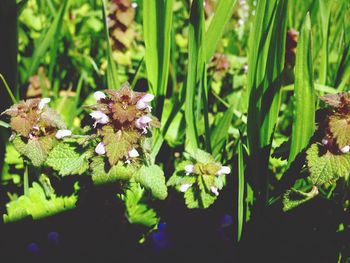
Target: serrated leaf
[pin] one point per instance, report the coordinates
(118, 144)
(37, 206)
(180, 178)
(138, 212)
(202, 156)
(328, 167)
(36, 149)
(52, 118)
(293, 198)
(115, 173)
(67, 161)
(152, 178)
(207, 198)
(340, 128)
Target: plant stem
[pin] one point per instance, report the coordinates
(26, 179)
(8, 89)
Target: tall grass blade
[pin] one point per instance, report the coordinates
(325, 12)
(265, 69)
(112, 74)
(157, 21)
(240, 199)
(48, 41)
(217, 25)
(196, 65)
(304, 93)
(220, 132)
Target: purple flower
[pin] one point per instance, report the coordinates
(99, 117)
(214, 190)
(43, 103)
(98, 95)
(63, 133)
(224, 170)
(143, 103)
(345, 149)
(189, 169)
(142, 123)
(100, 149)
(133, 153)
(184, 187)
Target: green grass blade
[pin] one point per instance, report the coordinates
(304, 93)
(240, 199)
(220, 132)
(325, 12)
(217, 25)
(157, 21)
(4, 124)
(265, 69)
(112, 73)
(195, 69)
(49, 39)
(206, 110)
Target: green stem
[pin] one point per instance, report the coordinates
(8, 89)
(26, 179)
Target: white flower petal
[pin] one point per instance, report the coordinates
(189, 169)
(145, 119)
(133, 153)
(184, 187)
(224, 170)
(100, 117)
(148, 97)
(63, 133)
(98, 95)
(345, 149)
(43, 102)
(214, 190)
(141, 105)
(100, 148)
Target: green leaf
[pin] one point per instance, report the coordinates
(326, 168)
(115, 173)
(340, 128)
(217, 25)
(138, 212)
(118, 144)
(192, 198)
(304, 93)
(65, 159)
(152, 178)
(36, 149)
(37, 206)
(198, 197)
(293, 198)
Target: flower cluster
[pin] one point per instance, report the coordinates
(199, 168)
(33, 119)
(122, 117)
(200, 178)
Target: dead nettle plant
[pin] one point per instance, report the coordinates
(114, 149)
